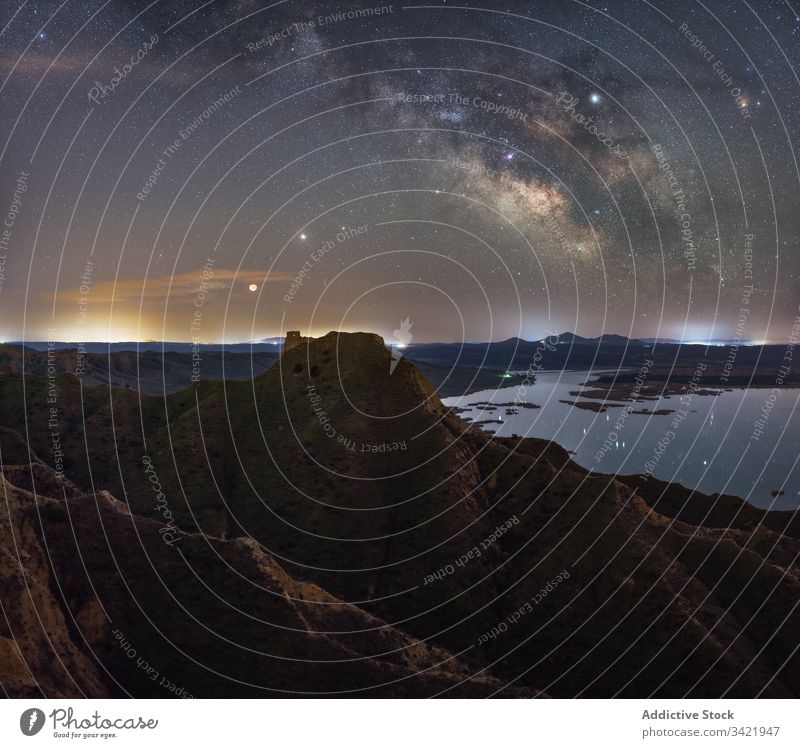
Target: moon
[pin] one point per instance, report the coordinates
(253, 287)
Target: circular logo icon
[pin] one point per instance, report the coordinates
(31, 721)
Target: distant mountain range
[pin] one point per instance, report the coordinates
(568, 350)
(270, 344)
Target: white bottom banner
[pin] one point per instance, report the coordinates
(390, 724)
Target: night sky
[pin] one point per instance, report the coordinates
(486, 171)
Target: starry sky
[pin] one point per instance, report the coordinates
(229, 170)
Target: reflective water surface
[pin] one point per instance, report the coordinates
(711, 443)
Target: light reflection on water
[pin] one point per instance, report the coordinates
(710, 450)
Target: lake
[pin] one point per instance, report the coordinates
(712, 449)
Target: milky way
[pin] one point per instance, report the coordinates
(486, 171)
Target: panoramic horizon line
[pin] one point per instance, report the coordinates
(272, 340)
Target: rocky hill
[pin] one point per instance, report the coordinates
(331, 526)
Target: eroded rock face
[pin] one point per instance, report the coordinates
(260, 553)
(120, 613)
(38, 654)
